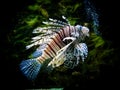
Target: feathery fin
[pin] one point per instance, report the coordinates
(30, 68)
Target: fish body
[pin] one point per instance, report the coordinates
(58, 44)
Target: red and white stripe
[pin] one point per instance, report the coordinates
(56, 43)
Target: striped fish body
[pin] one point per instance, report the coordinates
(60, 58)
(70, 55)
(55, 48)
(56, 43)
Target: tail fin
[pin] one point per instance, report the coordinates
(30, 68)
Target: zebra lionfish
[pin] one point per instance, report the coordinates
(60, 42)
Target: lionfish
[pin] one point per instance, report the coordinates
(60, 42)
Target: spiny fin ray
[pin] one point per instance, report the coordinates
(30, 68)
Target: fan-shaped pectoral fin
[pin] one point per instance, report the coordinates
(57, 60)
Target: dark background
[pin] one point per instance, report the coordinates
(109, 19)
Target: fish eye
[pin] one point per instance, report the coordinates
(79, 27)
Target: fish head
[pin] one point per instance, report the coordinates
(85, 31)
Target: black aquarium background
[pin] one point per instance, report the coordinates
(101, 74)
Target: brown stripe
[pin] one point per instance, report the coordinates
(63, 32)
(47, 53)
(54, 46)
(50, 51)
(57, 43)
(69, 30)
(41, 59)
(59, 40)
(51, 48)
(66, 31)
(59, 36)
